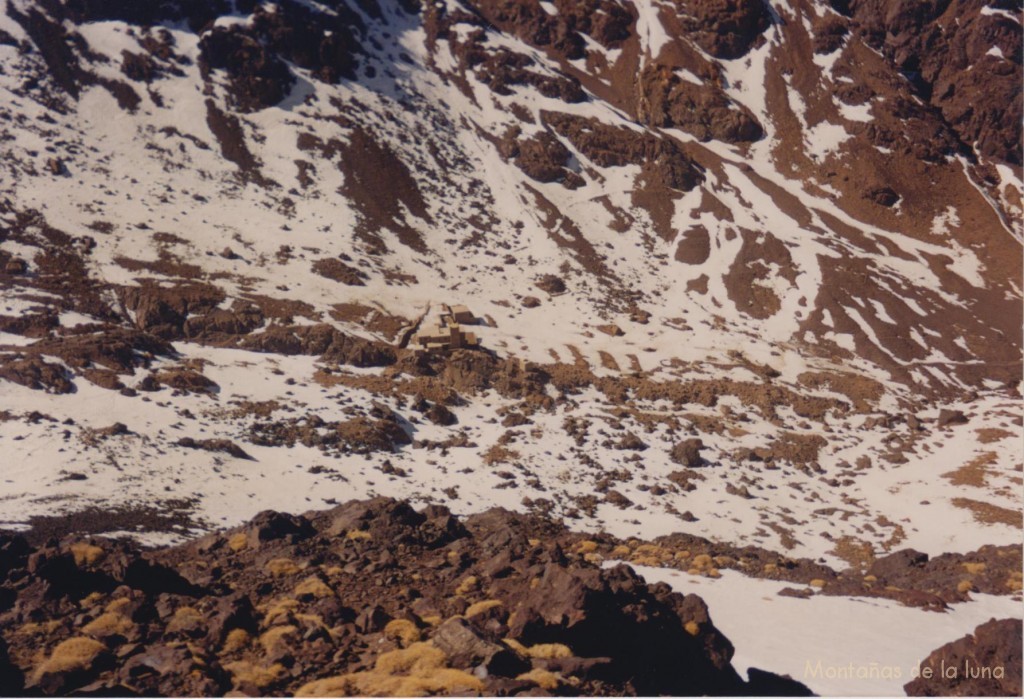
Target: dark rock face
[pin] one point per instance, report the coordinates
(944, 48)
(951, 417)
(609, 146)
(666, 100)
(606, 22)
(258, 78)
(726, 28)
(288, 603)
(542, 157)
(988, 663)
(36, 373)
(687, 452)
(502, 69)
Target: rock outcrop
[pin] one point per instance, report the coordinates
(986, 662)
(372, 597)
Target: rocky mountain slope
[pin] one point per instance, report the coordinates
(375, 598)
(293, 605)
(744, 271)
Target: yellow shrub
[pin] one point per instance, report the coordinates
(594, 558)
(282, 566)
(77, 653)
(358, 535)
(467, 585)
(339, 686)
(91, 599)
(533, 542)
(448, 681)
(682, 555)
(964, 586)
(87, 554)
(545, 679)
(620, 551)
(650, 550)
(333, 571)
(870, 578)
(184, 618)
(417, 658)
(817, 582)
(481, 607)
(652, 561)
(712, 573)
(257, 675)
(403, 631)
(586, 546)
(1013, 584)
(436, 681)
(238, 542)
(974, 568)
(516, 646)
(770, 568)
(311, 620)
(271, 638)
(280, 607)
(118, 604)
(432, 619)
(108, 624)
(701, 561)
(692, 627)
(313, 586)
(549, 650)
(236, 640)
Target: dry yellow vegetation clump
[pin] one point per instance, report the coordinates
(540, 650)
(78, 653)
(236, 640)
(403, 631)
(257, 675)
(108, 624)
(280, 607)
(549, 651)
(279, 567)
(87, 554)
(313, 586)
(481, 607)
(416, 671)
(545, 679)
(275, 635)
(467, 585)
(185, 618)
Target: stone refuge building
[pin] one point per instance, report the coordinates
(447, 331)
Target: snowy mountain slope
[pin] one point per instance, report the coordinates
(760, 226)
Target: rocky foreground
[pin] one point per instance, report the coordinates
(376, 598)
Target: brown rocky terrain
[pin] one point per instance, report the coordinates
(371, 598)
(745, 277)
(986, 662)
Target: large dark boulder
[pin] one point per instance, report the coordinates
(987, 663)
